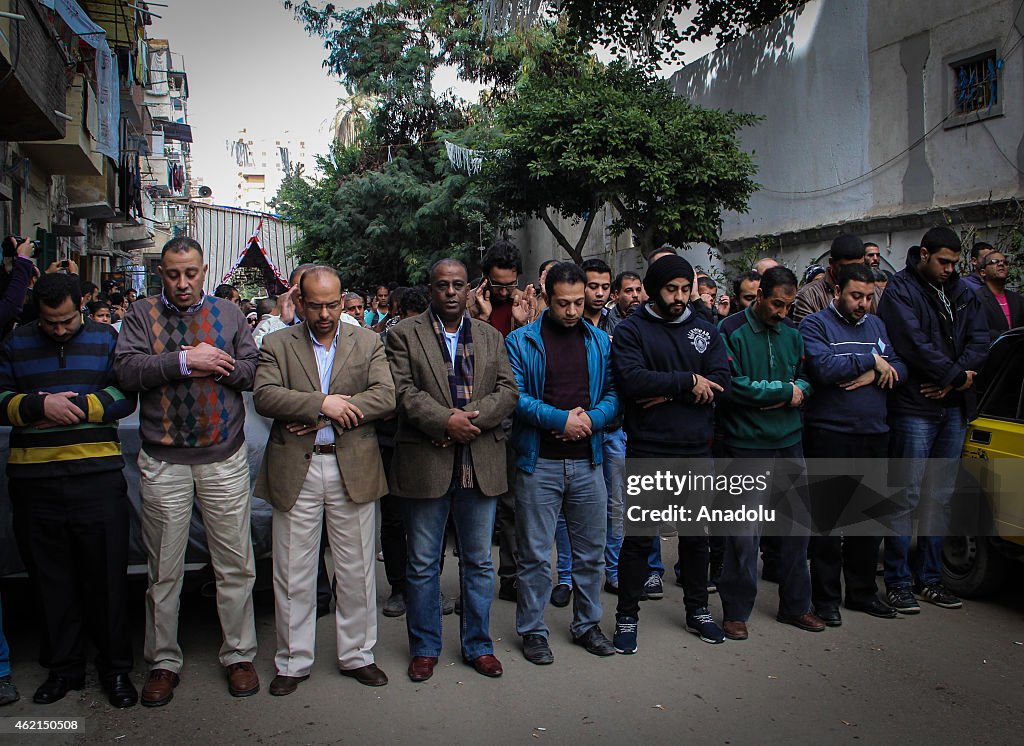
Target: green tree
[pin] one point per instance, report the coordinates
(612, 134)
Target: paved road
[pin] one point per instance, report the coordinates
(944, 676)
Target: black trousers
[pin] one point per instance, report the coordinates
(77, 532)
(694, 557)
(843, 558)
(392, 532)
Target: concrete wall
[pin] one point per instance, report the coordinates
(848, 89)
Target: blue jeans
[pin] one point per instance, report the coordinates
(919, 438)
(563, 552)
(577, 489)
(738, 585)
(425, 520)
(614, 467)
(5, 652)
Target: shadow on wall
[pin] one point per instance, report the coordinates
(739, 63)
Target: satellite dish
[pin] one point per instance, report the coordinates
(205, 191)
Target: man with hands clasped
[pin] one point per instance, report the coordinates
(454, 387)
(190, 356)
(324, 383)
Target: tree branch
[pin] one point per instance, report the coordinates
(571, 250)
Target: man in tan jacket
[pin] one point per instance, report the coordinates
(324, 383)
(454, 387)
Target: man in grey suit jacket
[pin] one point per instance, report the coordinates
(323, 383)
(454, 386)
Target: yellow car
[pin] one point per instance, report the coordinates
(976, 565)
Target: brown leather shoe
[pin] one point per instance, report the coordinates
(367, 675)
(487, 665)
(808, 622)
(159, 687)
(735, 630)
(282, 686)
(421, 667)
(242, 679)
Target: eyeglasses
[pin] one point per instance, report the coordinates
(442, 286)
(997, 263)
(504, 285)
(334, 305)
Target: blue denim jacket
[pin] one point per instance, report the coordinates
(529, 365)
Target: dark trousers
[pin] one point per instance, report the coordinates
(633, 560)
(738, 585)
(392, 532)
(505, 519)
(633, 571)
(77, 531)
(852, 558)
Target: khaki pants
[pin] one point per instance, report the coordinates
(351, 531)
(222, 490)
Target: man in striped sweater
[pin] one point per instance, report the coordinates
(57, 391)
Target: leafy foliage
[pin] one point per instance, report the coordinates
(617, 134)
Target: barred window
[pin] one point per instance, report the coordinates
(976, 84)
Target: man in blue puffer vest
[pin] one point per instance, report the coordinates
(566, 398)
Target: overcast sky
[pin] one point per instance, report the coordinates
(251, 65)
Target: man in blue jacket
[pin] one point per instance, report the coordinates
(937, 326)
(852, 366)
(670, 368)
(566, 399)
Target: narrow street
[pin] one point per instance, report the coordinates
(946, 676)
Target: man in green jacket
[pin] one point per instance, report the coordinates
(760, 419)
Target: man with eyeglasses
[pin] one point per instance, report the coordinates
(324, 383)
(498, 301)
(1004, 309)
(454, 387)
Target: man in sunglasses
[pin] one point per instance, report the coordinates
(1004, 309)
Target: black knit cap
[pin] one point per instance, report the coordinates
(664, 271)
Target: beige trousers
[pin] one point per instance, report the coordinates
(222, 490)
(351, 532)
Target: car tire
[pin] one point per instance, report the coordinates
(972, 567)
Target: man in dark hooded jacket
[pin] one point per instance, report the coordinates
(937, 326)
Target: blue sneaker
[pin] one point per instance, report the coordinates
(701, 624)
(624, 638)
(653, 588)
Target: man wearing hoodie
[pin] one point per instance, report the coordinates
(670, 367)
(937, 325)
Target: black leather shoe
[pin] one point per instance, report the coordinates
(594, 642)
(507, 590)
(830, 615)
(55, 688)
(560, 595)
(366, 675)
(537, 651)
(121, 692)
(872, 606)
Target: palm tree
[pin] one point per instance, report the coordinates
(350, 116)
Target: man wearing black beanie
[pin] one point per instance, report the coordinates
(670, 366)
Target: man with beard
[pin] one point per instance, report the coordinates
(566, 399)
(69, 495)
(937, 327)
(627, 295)
(852, 366)
(761, 420)
(670, 366)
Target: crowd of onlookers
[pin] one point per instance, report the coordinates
(472, 410)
